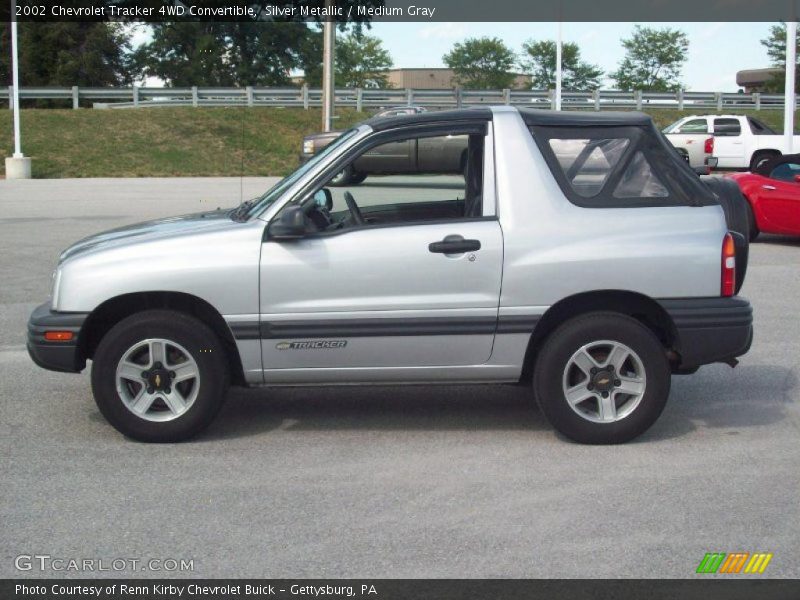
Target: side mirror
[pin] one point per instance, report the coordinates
(290, 224)
(324, 199)
(797, 178)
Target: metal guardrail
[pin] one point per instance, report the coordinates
(305, 97)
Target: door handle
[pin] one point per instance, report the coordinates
(767, 187)
(454, 244)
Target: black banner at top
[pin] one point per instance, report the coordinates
(402, 10)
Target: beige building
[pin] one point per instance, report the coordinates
(436, 79)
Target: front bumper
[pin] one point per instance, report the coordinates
(55, 356)
(711, 329)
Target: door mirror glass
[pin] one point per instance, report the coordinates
(324, 199)
(289, 225)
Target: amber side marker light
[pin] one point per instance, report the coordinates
(58, 336)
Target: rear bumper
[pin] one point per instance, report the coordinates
(55, 356)
(711, 329)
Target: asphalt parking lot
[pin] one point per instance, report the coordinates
(430, 481)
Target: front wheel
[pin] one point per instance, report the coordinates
(602, 378)
(160, 376)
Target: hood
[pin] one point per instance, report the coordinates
(150, 231)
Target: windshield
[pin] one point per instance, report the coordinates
(277, 190)
(669, 128)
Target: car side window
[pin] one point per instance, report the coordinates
(693, 126)
(587, 163)
(785, 172)
(412, 180)
(727, 127)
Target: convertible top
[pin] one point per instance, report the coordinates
(531, 116)
(459, 114)
(574, 118)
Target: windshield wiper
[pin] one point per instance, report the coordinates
(241, 210)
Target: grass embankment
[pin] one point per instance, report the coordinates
(168, 142)
(164, 142)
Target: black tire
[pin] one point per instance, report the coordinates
(203, 346)
(343, 177)
(753, 226)
(762, 157)
(565, 341)
(357, 178)
(736, 207)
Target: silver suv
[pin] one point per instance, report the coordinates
(576, 253)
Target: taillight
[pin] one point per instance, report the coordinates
(708, 147)
(728, 286)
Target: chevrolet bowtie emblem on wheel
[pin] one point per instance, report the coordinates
(158, 380)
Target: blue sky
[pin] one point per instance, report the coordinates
(716, 50)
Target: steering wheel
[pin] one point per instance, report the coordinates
(353, 208)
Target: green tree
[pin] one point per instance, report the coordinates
(775, 43)
(69, 53)
(360, 61)
(653, 60)
(482, 63)
(539, 59)
(239, 53)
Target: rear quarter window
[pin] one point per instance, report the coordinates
(727, 127)
(615, 167)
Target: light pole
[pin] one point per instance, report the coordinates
(788, 91)
(558, 67)
(328, 41)
(17, 166)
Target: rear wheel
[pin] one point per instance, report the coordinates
(160, 376)
(759, 158)
(602, 378)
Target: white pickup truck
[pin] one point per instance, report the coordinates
(737, 141)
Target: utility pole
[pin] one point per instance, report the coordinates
(17, 166)
(328, 90)
(788, 92)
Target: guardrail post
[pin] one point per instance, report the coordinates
(194, 96)
(409, 96)
(135, 96)
(11, 97)
(506, 96)
(551, 95)
(638, 97)
(459, 99)
(757, 100)
(75, 97)
(359, 100)
(680, 99)
(249, 92)
(305, 95)
(596, 95)
(719, 101)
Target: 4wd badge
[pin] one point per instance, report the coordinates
(312, 345)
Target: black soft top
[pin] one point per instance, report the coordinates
(574, 118)
(440, 116)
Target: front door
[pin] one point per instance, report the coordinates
(412, 280)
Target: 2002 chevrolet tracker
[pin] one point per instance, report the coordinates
(574, 251)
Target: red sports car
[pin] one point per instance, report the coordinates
(773, 195)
